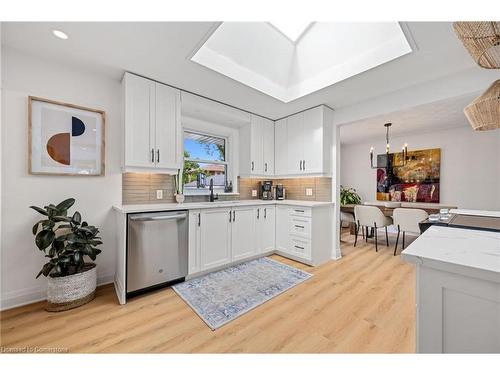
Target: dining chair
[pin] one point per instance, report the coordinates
(346, 217)
(406, 220)
(371, 217)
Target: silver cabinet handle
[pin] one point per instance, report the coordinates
(299, 247)
(159, 217)
(229, 216)
(265, 167)
(265, 213)
(299, 226)
(152, 155)
(158, 155)
(304, 165)
(258, 213)
(199, 219)
(301, 165)
(252, 165)
(234, 215)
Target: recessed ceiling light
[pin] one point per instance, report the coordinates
(60, 34)
(292, 29)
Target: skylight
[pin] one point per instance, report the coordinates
(257, 54)
(292, 29)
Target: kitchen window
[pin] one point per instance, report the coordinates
(205, 159)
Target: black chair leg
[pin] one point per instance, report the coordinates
(403, 241)
(376, 237)
(386, 237)
(397, 240)
(356, 230)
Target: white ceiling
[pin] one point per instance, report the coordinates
(439, 115)
(258, 55)
(162, 51)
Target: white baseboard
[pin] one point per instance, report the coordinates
(26, 296)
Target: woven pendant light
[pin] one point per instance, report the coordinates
(482, 40)
(484, 112)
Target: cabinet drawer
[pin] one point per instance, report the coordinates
(300, 226)
(301, 211)
(300, 246)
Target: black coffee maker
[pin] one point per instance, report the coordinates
(266, 190)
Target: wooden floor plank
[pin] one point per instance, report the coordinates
(363, 302)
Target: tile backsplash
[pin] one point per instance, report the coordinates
(140, 188)
(295, 188)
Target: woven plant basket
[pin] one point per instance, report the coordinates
(68, 292)
(482, 41)
(484, 112)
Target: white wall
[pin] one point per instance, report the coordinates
(470, 171)
(25, 75)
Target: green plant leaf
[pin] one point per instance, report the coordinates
(35, 228)
(65, 204)
(44, 238)
(47, 267)
(59, 218)
(39, 210)
(77, 218)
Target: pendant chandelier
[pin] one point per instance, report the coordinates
(482, 41)
(404, 152)
(484, 112)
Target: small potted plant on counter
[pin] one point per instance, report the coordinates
(349, 196)
(66, 241)
(179, 186)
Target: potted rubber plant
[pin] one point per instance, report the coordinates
(66, 241)
(349, 196)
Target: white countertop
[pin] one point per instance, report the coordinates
(471, 251)
(131, 208)
(462, 211)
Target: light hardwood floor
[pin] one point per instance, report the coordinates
(361, 303)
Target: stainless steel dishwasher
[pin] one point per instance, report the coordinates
(157, 250)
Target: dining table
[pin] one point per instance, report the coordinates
(387, 211)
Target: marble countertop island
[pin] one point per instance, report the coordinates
(475, 253)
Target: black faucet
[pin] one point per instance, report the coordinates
(212, 196)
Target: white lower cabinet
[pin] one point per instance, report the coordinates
(282, 236)
(221, 236)
(266, 229)
(215, 238)
(243, 232)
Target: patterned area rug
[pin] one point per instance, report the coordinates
(222, 296)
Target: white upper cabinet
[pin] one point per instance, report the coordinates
(268, 146)
(257, 147)
(303, 143)
(295, 126)
(281, 147)
(153, 136)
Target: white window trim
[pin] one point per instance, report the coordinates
(215, 130)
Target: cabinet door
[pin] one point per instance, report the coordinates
(256, 146)
(215, 238)
(139, 121)
(168, 127)
(281, 147)
(243, 232)
(194, 242)
(267, 229)
(313, 141)
(282, 225)
(268, 142)
(295, 125)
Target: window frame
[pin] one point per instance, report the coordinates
(225, 163)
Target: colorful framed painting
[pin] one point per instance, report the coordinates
(65, 139)
(417, 181)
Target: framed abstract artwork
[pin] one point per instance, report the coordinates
(417, 181)
(65, 139)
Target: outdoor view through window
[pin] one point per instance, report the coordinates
(204, 160)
